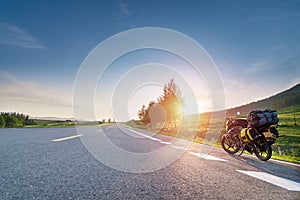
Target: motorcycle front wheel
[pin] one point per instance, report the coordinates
(263, 150)
(228, 144)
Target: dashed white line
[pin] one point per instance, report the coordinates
(200, 155)
(165, 142)
(66, 138)
(207, 157)
(275, 180)
(146, 136)
(178, 147)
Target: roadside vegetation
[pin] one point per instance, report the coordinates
(19, 120)
(203, 128)
(39, 123)
(288, 145)
(14, 120)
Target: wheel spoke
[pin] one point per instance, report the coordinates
(263, 150)
(228, 144)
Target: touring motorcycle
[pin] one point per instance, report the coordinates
(242, 135)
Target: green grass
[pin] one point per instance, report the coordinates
(287, 147)
(51, 124)
(62, 124)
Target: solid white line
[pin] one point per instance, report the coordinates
(284, 162)
(249, 155)
(66, 138)
(278, 181)
(146, 136)
(207, 157)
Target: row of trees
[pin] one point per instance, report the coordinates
(167, 108)
(11, 120)
(106, 121)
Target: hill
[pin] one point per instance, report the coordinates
(280, 101)
(285, 101)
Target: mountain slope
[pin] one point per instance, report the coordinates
(279, 101)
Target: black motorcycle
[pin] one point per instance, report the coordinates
(240, 137)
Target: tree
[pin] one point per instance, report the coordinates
(168, 106)
(172, 101)
(11, 121)
(142, 112)
(2, 122)
(15, 120)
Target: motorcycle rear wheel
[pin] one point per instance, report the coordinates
(263, 150)
(229, 145)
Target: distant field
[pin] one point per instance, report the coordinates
(51, 124)
(60, 124)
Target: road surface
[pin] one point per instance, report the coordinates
(54, 164)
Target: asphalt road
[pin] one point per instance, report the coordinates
(38, 164)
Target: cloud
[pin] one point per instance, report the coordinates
(274, 59)
(11, 34)
(33, 99)
(124, 9)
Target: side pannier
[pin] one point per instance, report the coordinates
(262, 118)
(248, 134)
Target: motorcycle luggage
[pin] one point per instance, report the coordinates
(240, 122)
(262, 118)
(248, 134)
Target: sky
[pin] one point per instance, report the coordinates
(254, 45)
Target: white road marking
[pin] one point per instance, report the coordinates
(278, 181)
(165, 142)
(207, 157)
(66, 138)
(279, 161)
(284, 162)
(146, 136)
(178, 147)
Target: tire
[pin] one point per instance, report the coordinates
(228, 144)
(263, 150)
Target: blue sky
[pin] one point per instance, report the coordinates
(255, 45)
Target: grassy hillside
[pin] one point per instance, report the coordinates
(290, 115)
(288, 145)
(279, 101)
